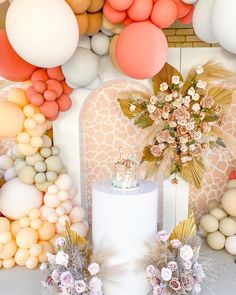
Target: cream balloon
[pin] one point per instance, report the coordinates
(209, 223)
(216, 240)
(82, 68)
(218, 213)
(229, 202)
(17, 199)
(230, 245)
(202, 21)
(227, 227)
(40, 31)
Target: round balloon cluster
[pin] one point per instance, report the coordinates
(219, 225)
(214, 22)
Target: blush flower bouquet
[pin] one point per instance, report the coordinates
(70, 272)
(183, 119)
(174, 268)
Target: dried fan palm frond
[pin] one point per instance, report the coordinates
(222, 96)
(151, 169)
(185, 229)
(166, 163)
(214, 71)
(165, 75)
(228, 139)
(193, 172)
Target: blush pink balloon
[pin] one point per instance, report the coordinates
(49, 109)
(141, 50)
(113, 15)
(50, 95)
(120, 4)
(64, 103)
(140, 10)
(56, 73)
(36, 99)
(183, 8)
(187, 19)
(39, 75)
(164, 13)
(55, 86)
(40, 86)
(30, 91)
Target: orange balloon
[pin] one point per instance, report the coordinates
(12, 66)
(79, 6)
(140, 10)
(96, 5)
(164, 13)
(141, 50)
(183, 8)
(94, 23)
(82, 20)
(11, 119)
(113, 15)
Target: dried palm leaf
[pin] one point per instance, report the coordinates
(165, 75)
(150, 133)
(222, 96)
(166, 164)
(193, 172)
(185, 229)
(125, 108)
(151, 169)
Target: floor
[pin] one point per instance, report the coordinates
(20, 281)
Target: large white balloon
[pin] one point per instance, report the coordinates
(82, 68)
(224, 23)
(189, 1)
(17, 199)
(43, 32)
(202, 21)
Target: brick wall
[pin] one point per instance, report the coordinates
(185, 37)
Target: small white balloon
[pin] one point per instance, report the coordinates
(82, 68)
(10, 174)
(189, 1)
(107, 32)
(100, 43)
(71, 85)
(202, 21)
(46, 32)
(94, 84)
(85, 42)
(6, 162)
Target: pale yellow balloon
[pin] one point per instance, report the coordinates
(31, 262)
(228, 227)
(118, 28)
(36, 250)
(21, 256)
(4, 224)
(23, 137)
(229, 202)
(216, 240)
(17, 96)
(36, 223)
(26, 237)
(30, 124)
(1, 263)
(106, 24)
(218, 213)
(29, 110)
(26, 84)
(209, 223)
(1, 247)
(59, 228)
(5, 237)
(11, 119)
(24, 222)
(15, 228)
(80, 229)
(47, 248)
(9, 250)
(64, 219)
(8, 263)
(34, 213)
(53, 217)
(77, 214)
(51, 201)
(39, 118)
(27, 149)
(46, 231)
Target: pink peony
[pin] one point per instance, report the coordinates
(163, 236)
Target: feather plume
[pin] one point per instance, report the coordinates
(222, 96)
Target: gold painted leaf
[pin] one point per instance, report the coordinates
(148, 156)
(185, 229)
(165, 75)
(125, 108)
(143, 121)
(193, 172)
(151, 169)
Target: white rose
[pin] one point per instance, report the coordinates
(201, 84)
(51, 258)
(187, 264)
(191, 91)
(168, 98)
(175, 80)
(93, 268)
(95, 284)
(151, 108)
(62, 258)
(153, 100)
(80, 286)
(182, 122)
(165, 116)
(164, 86)
(166, 274)
(190, 126)
(173, 124)
(178, 103)
(186, 100)
(183, 139)
(198, 135)
(196, 96)
(181, 84)
(174, 94)
(132, 108)
(186, 253)
(183, 148)
(199, 70)
(192, 147)
(196, 107)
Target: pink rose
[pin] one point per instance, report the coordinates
(188, 282)
(163, 136)
(150, 270)
(157, 290)
(156, 150)
(163, 236)
(80, 286)
(67, 290)
(154, 280)
(181, 113)
(207, 102)
(67, 278)
(175, 284)
(218, 109)
(175, 244)
(173, 265)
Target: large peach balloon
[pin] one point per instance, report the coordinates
(121, 4)
(164, 13)
(12, 66)
(11, 119)
(140, 10)
(17, 199)
(141, 50)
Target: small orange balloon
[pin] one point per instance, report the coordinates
(82, 20)
(95, 5)
(94, 23)
(47, 248)
(11, 119)
(79, 6)
(47, 231)
(8, 250)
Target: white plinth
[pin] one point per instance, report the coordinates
(123, 220)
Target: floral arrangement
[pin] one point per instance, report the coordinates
(184, 118)
(174, 267)
(70, 272)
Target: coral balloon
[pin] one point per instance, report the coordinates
(30, 33)
(11, 119)
(121, 4)
(188, 18)
(17, 199)
(164, 13)
(113, 15)
(56, 74)
(112, 52)
(140, 10)
(183, 8)
(64, 102)
(12, 66)
(49, 109)
(79, 6)
(144, 61)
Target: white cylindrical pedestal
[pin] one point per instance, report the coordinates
(123, 220)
